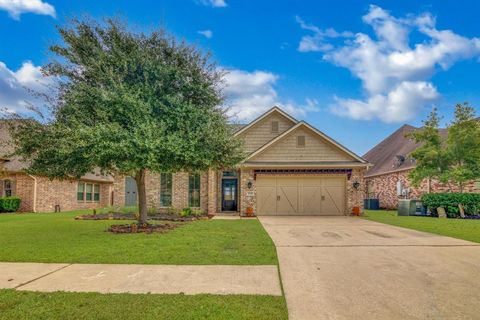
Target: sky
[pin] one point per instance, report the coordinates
(356, 70)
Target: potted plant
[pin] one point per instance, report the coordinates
(249, 211)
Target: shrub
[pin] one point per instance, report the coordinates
(9, 204)
(173, 211)
(450, 201)
(198, 212)
(186, 212)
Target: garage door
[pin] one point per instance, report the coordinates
(278, 195)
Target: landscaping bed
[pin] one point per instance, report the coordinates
(142, 228)
(134, 216)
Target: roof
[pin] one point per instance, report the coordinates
(236, 126)
(392, 153)
(15, 164)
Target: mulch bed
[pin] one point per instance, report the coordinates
(131, 216)
(142, 228)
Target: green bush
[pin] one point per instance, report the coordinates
(10, 204)
(450, 201)
(186, 212)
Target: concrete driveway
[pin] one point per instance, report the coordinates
(350, 268)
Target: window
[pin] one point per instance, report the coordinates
(229, 174)
(88, 192)
(274, 126)
(165, 189)
(194, 190)
(80, 191)
(96, 192)
(300, 141)
(7, 188)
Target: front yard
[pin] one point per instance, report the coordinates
(63, 305)
(56, 237)
(465, 229)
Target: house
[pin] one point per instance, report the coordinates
(292, 168)
(387, 180)
(41, 194)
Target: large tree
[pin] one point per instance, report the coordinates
(128, 103)
(463, 146)
(430, 157)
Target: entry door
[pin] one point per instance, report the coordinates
(130, 192)
(229, 194)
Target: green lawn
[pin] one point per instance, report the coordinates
(56, 237)
(62, 305)
(456, 228)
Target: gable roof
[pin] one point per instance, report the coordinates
(391, 154)
(316, 131)
(263, 116)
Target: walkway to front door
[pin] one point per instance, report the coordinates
(350, 268)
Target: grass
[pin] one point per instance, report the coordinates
(56, 237)
(456, 228)
(62, 305)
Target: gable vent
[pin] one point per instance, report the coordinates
(300, 141)
(274, 126)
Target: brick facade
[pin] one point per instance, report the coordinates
(384, 187)
(40, 194)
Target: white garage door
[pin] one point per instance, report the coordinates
(277, 195)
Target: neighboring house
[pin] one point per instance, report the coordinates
(388, 179)
(291, 169)
(41, 194)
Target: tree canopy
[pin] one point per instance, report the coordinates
(127, 103)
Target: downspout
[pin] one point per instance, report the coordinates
(34, 192)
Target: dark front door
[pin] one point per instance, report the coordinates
(229, 195)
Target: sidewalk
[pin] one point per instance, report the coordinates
(134, 278)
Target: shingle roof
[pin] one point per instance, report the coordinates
(392, 153)
(14, 164)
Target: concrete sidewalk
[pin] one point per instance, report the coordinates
(171, 279)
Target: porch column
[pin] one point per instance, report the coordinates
(212, 191)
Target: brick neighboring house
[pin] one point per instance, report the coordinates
(291, 169)
(40, 194)
(388, 178)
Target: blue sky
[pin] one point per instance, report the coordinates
(356, 70)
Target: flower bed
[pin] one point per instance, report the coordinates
(142, 228)
(133, 216)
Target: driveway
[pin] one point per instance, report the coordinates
(350, 268)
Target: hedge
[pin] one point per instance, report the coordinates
(450, 201)
(9, 204)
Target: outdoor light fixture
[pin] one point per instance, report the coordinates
(356, 184)
(249, 185)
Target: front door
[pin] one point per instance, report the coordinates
(229, 195)
(130, 192)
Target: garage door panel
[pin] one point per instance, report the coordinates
(287, 200)
(267, 200)
(309, 200)
(333, 200)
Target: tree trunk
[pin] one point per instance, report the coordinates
(142, 196)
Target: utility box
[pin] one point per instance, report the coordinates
(371, 204)
(410, 207)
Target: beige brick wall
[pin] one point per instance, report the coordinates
(179, 191)
(53, 192)
(385, 188)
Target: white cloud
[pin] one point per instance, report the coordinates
(16, 8)
(16, 87)
(213, 3)
(249, 94)
(316, 42)
(206, 33)
(395, 74)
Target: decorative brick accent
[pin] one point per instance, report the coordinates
(355, 196)
(385, 188)
(247, 175)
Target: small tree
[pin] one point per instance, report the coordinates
(128, 103)
(430, 156)
(463, 146)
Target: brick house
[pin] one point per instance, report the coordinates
(41, 194)
(388, 179)
(291, 169)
